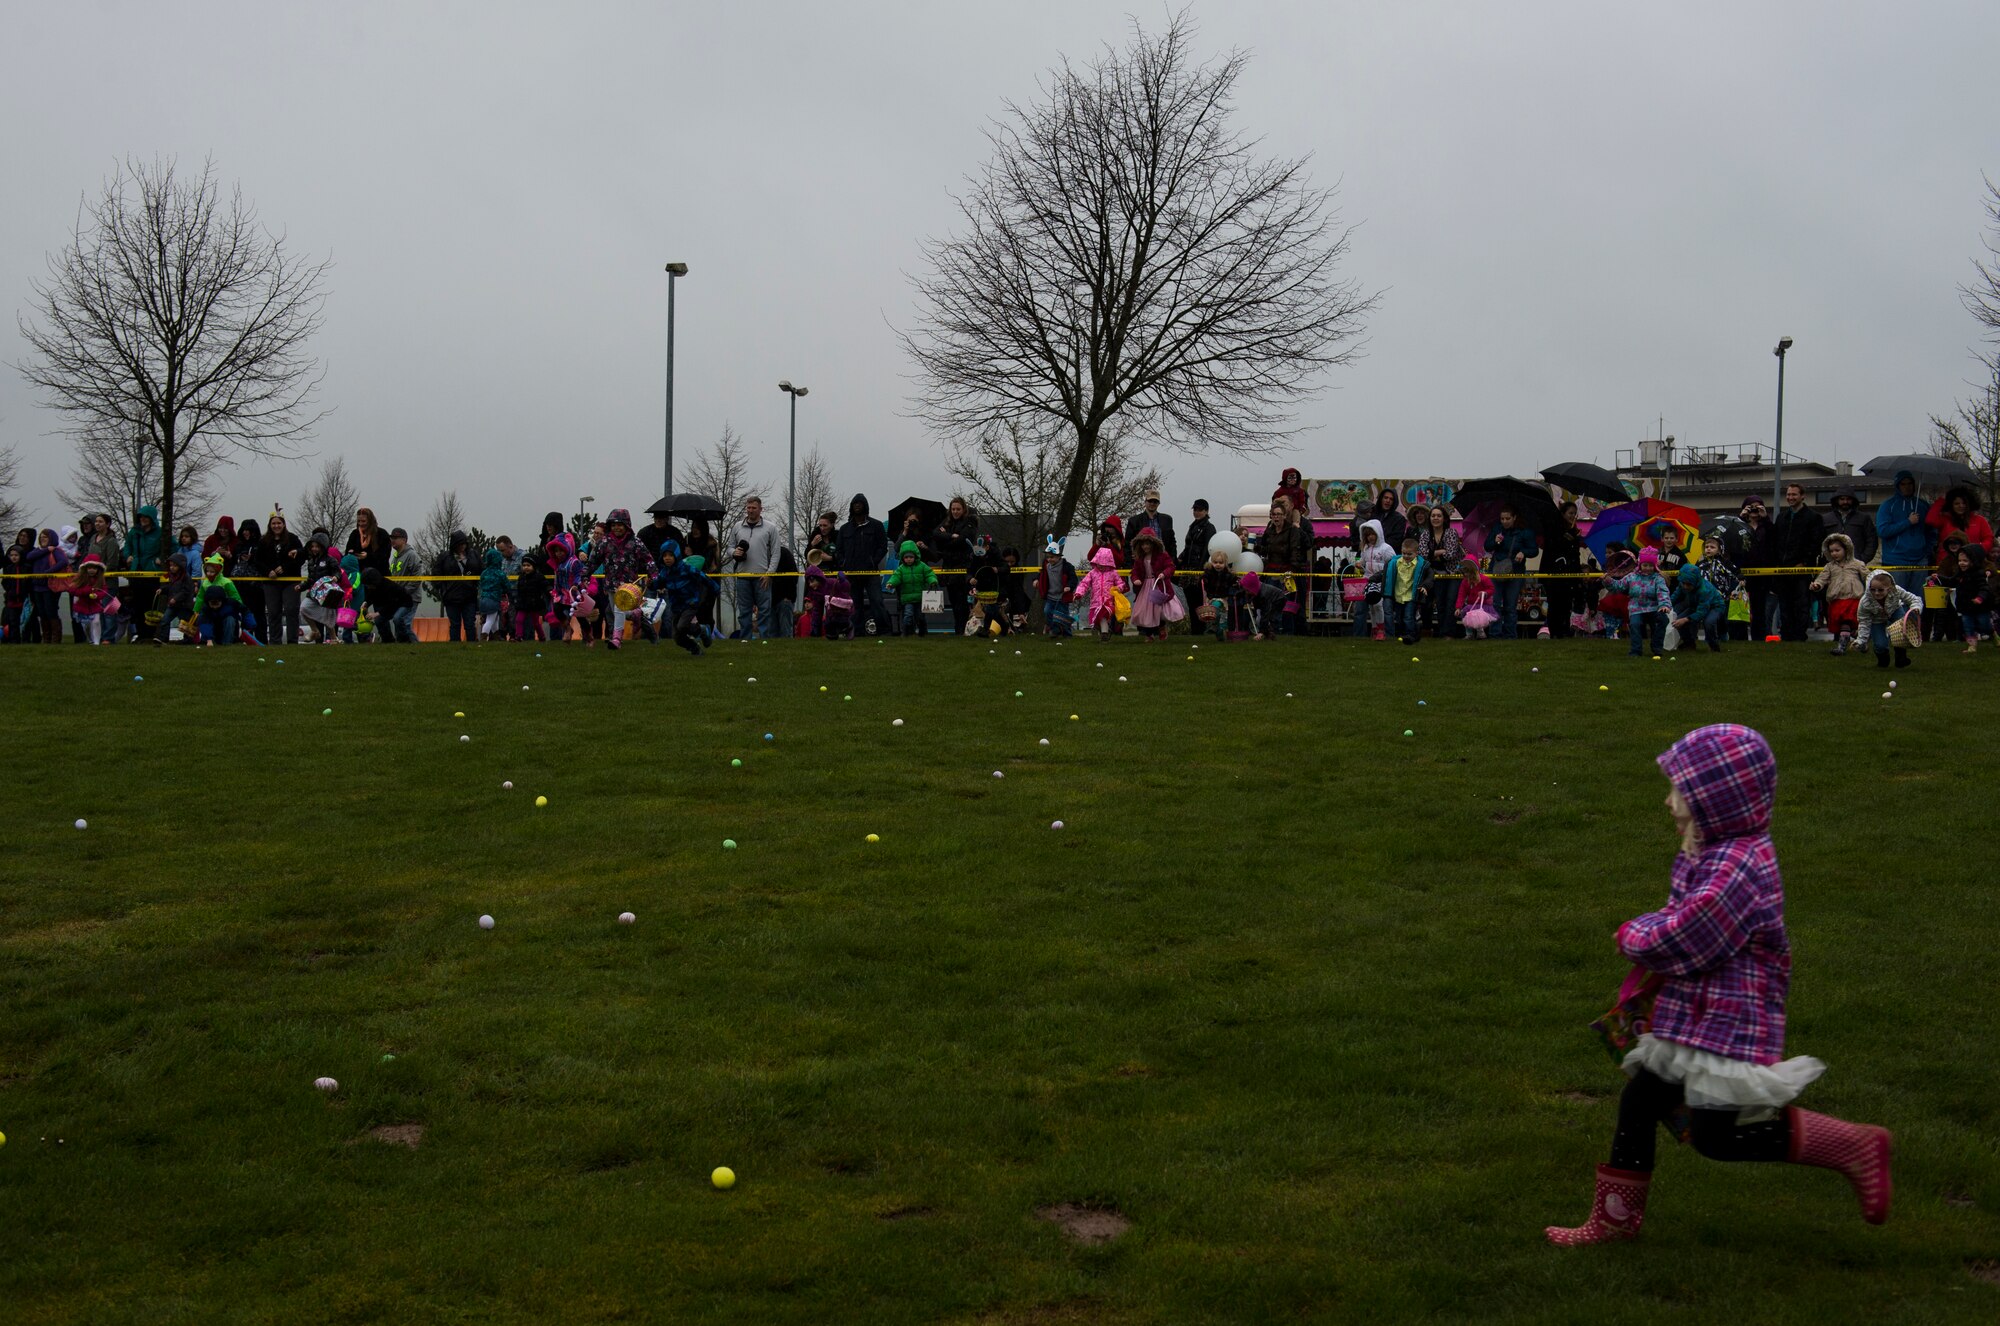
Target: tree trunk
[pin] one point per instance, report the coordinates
(167, 493)
(1079, 470)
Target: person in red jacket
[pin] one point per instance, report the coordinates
(1957, 512)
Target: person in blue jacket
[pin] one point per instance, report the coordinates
(680, 580)
(1511, 545)
(1906, 539)
(1698, 605)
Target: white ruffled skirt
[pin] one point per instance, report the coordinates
(1712, 1082)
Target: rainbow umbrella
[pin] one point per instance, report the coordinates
(1640, 524)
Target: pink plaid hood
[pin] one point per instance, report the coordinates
(1729, 778)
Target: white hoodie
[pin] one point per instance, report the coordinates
(1376, 556)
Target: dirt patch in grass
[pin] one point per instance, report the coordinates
(1132, 1069)
(1961, 1201)
(848, 1167)
(905, 1213)
(410, 1135)
(1085, 1224)
(1986, 1271)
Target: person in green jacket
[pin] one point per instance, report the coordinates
(907, 583)
(221, 606)
(145, 549)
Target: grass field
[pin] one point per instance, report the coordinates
(1301, 997)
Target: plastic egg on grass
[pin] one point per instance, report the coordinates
(459, 714)
(1045, 741)
(462, 737)
(998, 774)
(736, 764)
(728, 844)
(847, 697)
(326, 1084)
(485, 923)
(507, 786)
(1534, 669)
(723, 1177)
(1100, 665)
(541, 801)
(626, 918)
(1121, 678)
(1887, 695)
(1072, 718)
(1056, 824)
(1017, 695)
(822, 690)
(770, 736)
(1408, 733)
(524, 688)
(324, 712)
(749, 679)
(138, 678)
(874, 837)
(83, 824)
(1892, 685)
(1603, 688)
(896, 723)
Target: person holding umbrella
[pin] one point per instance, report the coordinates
(1906, 538)
(1562, 556)
(1511, 544)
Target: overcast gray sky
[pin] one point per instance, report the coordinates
(1583, 216)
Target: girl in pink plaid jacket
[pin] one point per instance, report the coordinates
(1718, 1028)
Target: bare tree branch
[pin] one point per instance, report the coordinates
(117, 472)
(1981, 295)
(12, 513)
(330, 503)
(1126, 255)
(723, 472)
(174, 315)
(1973, 434)
(814, 488)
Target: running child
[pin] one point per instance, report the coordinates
(907, 583)
(1475, 600)
(1648, 604)
(1056, 585)
(1099, 589)
(1844, 578)
(1717, 964)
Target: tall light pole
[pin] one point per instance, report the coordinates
(1778, 462)
(792, 467)
(581, 504)
(675, 271)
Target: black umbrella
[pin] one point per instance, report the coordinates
(1531, 503)
(1587, 480)
(688, 504)
(1930, 471)
(1728, 535)
(929, 515)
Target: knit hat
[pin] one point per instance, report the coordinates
(1649, 557)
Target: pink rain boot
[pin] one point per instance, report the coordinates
(1858, 1150)
(1615, 1214)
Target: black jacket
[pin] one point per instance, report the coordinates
(953, 540)
(1563, 549)
(1796, 536)
(1194, 553)
(280, 557)
(1859, 529)
(654, 535)
(1394, 525)
(1163, 523)
(456, 593)
(862, 544)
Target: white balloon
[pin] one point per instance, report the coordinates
(1225, 542)
(1246, 562)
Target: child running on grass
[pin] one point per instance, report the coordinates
(1056, 583)
(1719, 962)
(1218, 594)
(1844, 578)
(1890, 617)
(1099, 589)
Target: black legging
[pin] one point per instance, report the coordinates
(957, 596)
(1648, 1102)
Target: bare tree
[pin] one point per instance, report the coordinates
(446, 517)
(814, 494)
(1114, 483)
(1981, 295)
(331, 502)
(1015, 480)
(1972, 435)
(1128, 256)
(723, 472)
(118, 472)
(175, 316)
(11, 510)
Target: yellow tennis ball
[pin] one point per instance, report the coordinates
(723, 1177)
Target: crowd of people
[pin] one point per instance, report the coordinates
(1401, 573)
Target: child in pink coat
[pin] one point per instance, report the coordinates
(1099, 588)
(1718, 957)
